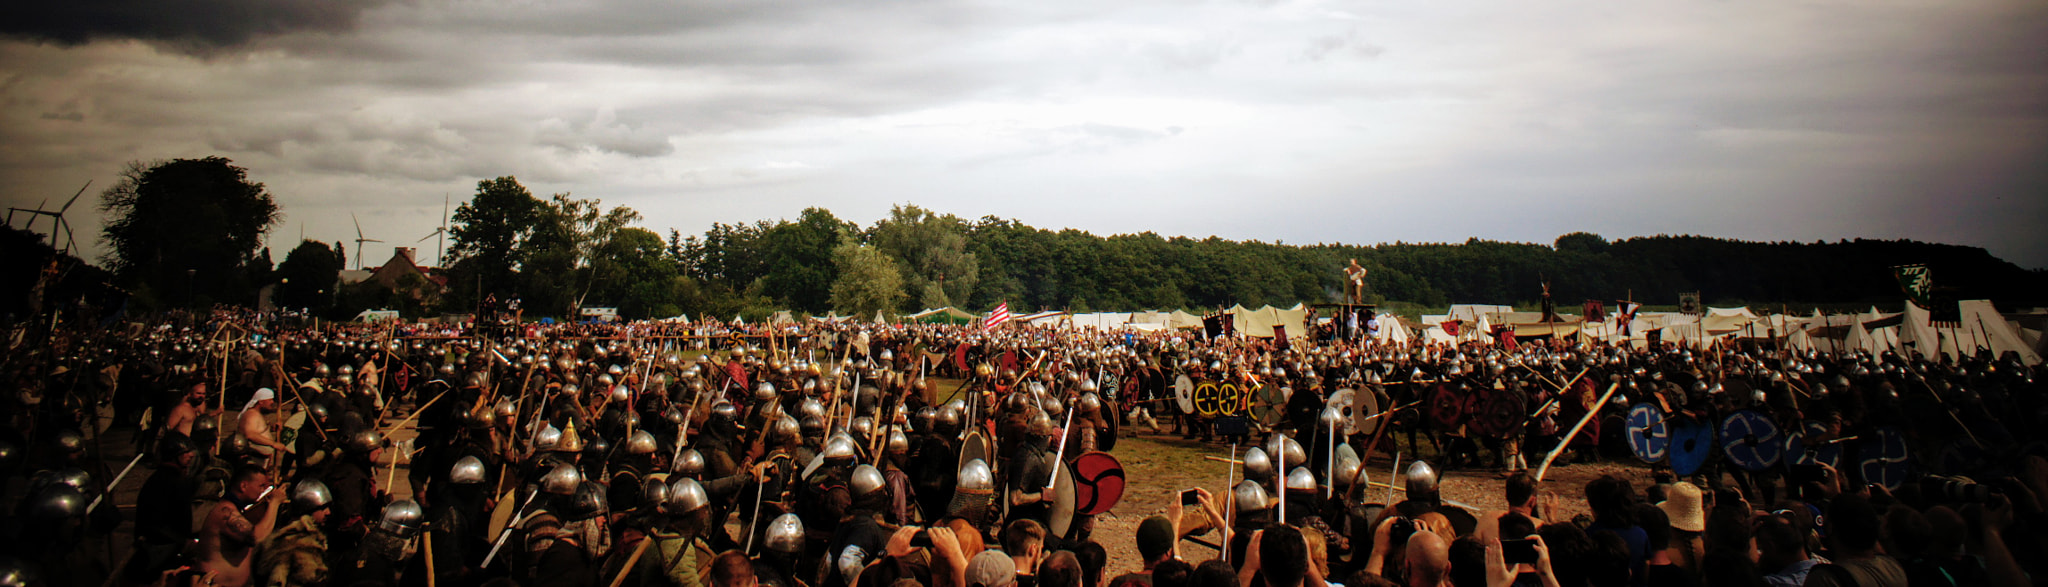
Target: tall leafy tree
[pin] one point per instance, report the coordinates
(868, 280)
(488, 231)
(800, 266)
(186, 231)
(634, 275)
(938, 269)
(308, 276)
(556, 259)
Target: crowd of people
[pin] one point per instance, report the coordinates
(827, 454)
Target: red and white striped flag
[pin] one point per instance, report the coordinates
(1000, 315)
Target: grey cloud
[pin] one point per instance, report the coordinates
(1347, 44)
(199, 26)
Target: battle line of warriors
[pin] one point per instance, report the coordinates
(274, 451)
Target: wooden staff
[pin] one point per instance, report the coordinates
(1567, 440)
(428, 539)
(631, 560)
(415, 413)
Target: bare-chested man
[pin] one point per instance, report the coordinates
(255, 423)
(189, 410)
(228, 537)
(1356, 275)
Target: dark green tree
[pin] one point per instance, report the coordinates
(307, 277)
(800, 270)
(488, 231)
(938, 269)
(185, 232)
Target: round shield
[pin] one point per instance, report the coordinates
(1882, 457)
(1503, 413)
(1691, 442)
(1801, 450)
(975, 446)
(1270, 405)
(1098, 482)
(290, 434)
(1750, 439)
(1061, 518)
(1365, 412)
(501, 516)
(1207, 399)
(1648, 437)
(1446, 408)
(1184, 392)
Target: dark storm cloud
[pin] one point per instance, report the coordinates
(196, 26)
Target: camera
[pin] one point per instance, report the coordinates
(1401, 530)
(922, 539)
(1956, 489)
(1189, 497)
(1518, 552)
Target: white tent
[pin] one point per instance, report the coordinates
(1392, 331)
(1980, 327)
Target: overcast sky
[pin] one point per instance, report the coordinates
(1299, 121)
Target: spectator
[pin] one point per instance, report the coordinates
(1173, 573)
(1025, 541)
(1613, 503)
(1682, 506)
(1060, 569)
(1155, 546)
(1781, 552)
(1215, 573)
(1428, 561)
(1094, 558)
(1854, 527)
(1659, 569)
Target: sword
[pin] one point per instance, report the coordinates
(111, 484)
(507, 532)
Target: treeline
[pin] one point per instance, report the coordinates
(560, 253)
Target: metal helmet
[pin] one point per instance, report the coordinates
(77, 478)
(403, 517)
(621, 395)
(1257, 464)
(606, 381)
(1300, 479)
(310, 494)
(690, 463)
(15, 573)
(810, 407)
(975, 475)
(840, 447)
(653, 490)
(898, 441)
(862, 427)
(1088, 386)
(548, 438)
(686, 496)
(563, 480)
(726, 410)
(1089, 403)
(950, 416)
(588, 501)
(70, 441)
(467, 471)
(1250, 495)
(866, 480)
(640, 443)
(786, 429)
(1348, 468)
(786, 534)
(764, 392)
(1421, 479)
(54, 503)
(923, 419)
(363, 442)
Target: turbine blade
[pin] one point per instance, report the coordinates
(74, 197)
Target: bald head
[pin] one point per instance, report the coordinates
(1429, 560)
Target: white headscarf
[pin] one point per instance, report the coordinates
(261, 394)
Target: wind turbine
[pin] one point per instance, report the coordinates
(57, 221)
(442, 232)
(360, 240)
